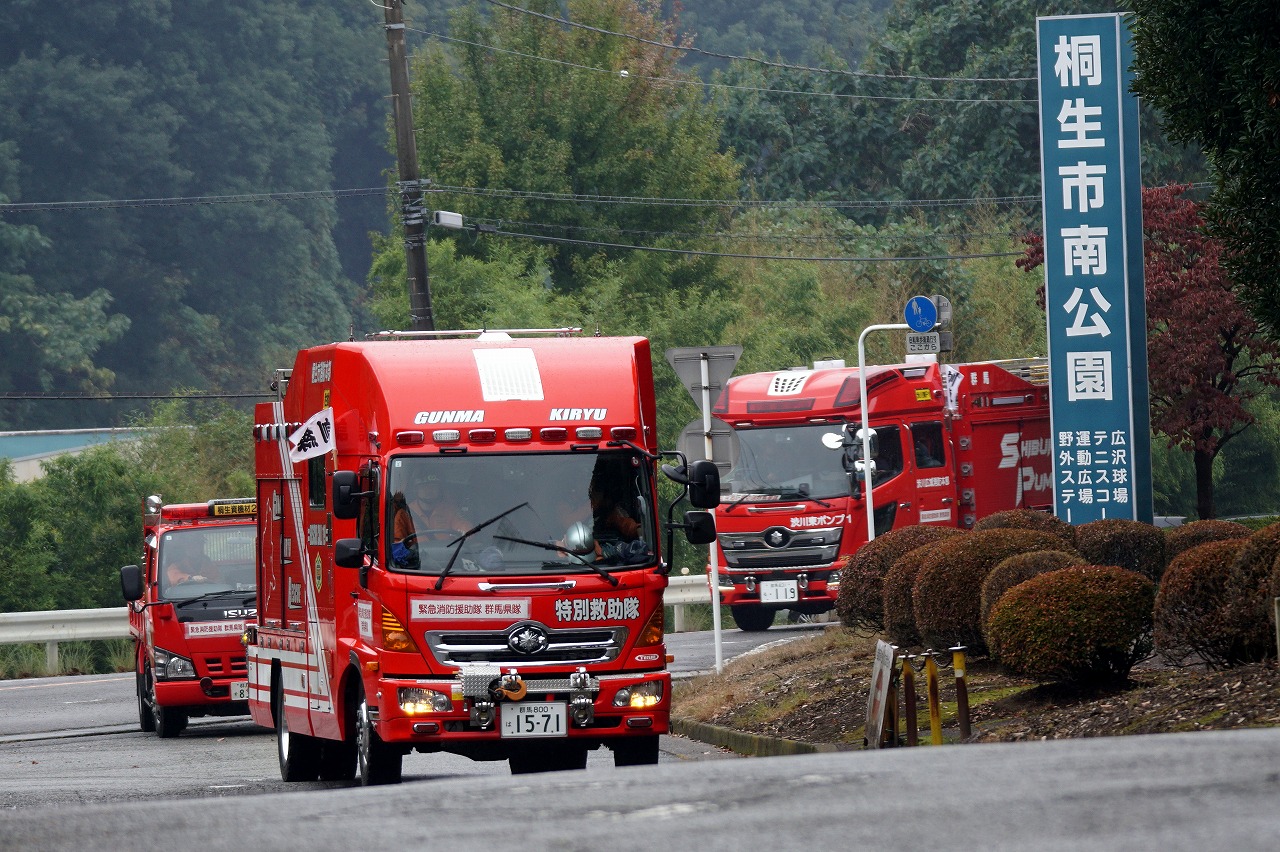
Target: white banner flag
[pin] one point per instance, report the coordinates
(313, 438)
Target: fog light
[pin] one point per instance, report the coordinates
(416, 701)
(640, 696)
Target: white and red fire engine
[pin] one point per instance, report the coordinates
(189, 601)
(953, 443)
(459, 552)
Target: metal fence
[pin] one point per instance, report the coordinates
(70, 625)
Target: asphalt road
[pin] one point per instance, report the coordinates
(76, 774)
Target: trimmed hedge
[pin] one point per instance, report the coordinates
(900, 580)
(1030, 519)
(1248, 615)
(1128, 544)
(947, 596)
(1191, 603)
(860, 603)
(1178, 540)
(1020, 568)
(1084, 625)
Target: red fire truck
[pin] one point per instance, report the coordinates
(952, 444)
(459, 552)
(189, 601)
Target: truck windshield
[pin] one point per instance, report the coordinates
(519, 514)
(199, 561)
(787, 462)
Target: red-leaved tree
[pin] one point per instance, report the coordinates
(1206, 357)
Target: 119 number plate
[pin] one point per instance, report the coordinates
(779, 591)
(534, 719)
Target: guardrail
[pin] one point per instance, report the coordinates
(63, 625)
(70, 625)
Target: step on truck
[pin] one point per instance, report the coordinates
(951, 444)
(189, 600)
(459, 552)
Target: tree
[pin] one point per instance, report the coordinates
(1207, 358)
(1213, 71)
(606, 117)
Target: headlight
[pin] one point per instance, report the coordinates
(170, 666)
(640, 696)
(415, 701)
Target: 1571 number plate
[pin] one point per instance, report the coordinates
(534, 719)
(239, 690)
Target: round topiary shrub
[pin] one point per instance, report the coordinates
(1190, 606)
(1127, 544)
(1083, 625)
(947, 596)
(900, 579)
(1177, 540)
(1030, 519)
(1020, 567)
(860, 602)
(1248, 614)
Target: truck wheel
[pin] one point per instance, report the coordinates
(169, 721)
(299, 754)
(635, 751)
(379, 763)
(752, 619)
(146, 719)
(548, 758)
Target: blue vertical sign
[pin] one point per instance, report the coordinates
(1094, 293)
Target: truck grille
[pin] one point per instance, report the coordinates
(779, 547)
(225, 666)
(573, 646)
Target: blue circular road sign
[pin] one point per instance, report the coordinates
(921, 314)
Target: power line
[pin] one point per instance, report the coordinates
(783, 65)
(696, 253)
(184, 201)
(138, 395)
(709, 85)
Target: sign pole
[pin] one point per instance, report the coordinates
(866, 428)
(713, 564)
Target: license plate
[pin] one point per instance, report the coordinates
(534, 719)
(779, 591)
(240, 690)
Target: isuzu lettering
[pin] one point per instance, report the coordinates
(459, 552)
(189, 602)
(951, 444)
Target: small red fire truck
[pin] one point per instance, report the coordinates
(952, 444)
(189, 601)
(459, 552)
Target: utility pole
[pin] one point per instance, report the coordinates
(412, 208)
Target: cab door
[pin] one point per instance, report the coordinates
(933, 474)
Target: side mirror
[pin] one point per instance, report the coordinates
(346, 495)
(131, 582)
(704, 484)
(873, 443)
(699, 527)
(348, 552)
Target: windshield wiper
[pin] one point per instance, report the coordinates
(803, 494)
(545, 546)
(456, 544)
(206, 596)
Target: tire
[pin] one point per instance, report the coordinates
(548, 758)
(169, 721)
(635, 751)
(752, 619)
(146, 718)
(378, 762)
(299, 754)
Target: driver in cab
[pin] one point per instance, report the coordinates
(422, 509)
